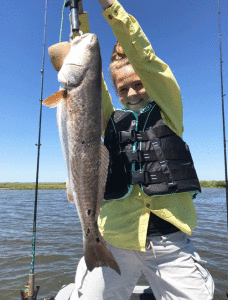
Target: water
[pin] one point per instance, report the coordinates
(59, 240)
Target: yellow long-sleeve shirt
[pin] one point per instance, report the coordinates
(123, 223)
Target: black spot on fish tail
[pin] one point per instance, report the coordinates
(97, 240)
(88, 211)
(83, 142)
(88, 231)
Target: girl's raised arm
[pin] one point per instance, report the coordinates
(106, 3)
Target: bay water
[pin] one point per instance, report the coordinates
(59, 240)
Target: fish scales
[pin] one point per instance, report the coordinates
(84, 140)
(86, 156)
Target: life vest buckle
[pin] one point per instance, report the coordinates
(129, 156)
(126, 136)
(140, 177)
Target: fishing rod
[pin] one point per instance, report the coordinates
(29, 292)
(223, 114)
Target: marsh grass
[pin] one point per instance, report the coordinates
(213, 184)
(32, 185)
(62, 185)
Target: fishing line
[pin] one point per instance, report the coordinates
(29, 292)
(61, 27)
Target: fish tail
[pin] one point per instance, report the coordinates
(97, 254)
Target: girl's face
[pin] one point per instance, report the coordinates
(130, 89)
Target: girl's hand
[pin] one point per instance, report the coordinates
(106, 3)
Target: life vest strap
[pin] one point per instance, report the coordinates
(146, 177)
(138, 156)
(163, 163)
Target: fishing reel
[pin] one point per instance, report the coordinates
(74, 14)
(25, 293)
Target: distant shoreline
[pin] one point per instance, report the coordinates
(32, 185)
(62, 185)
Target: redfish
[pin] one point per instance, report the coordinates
(79, 119)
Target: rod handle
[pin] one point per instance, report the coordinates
(31, 286)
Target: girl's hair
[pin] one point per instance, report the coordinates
(118, 60)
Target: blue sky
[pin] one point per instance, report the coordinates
(184, 34)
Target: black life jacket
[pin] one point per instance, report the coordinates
(144, 151)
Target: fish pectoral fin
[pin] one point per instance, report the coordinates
(55, 98)
(103, 172)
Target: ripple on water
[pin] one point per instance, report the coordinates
(59, 240)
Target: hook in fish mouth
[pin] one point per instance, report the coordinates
(72, 34)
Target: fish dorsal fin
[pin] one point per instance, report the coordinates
(55, 98)
(103, 172)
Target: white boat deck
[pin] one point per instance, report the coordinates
(141, 292)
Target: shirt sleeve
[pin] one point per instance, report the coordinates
(156, 75)
(106, 97)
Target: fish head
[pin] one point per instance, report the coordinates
(84, 55)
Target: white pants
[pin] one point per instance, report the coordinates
(170, 264)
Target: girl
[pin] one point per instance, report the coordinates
(148, 210)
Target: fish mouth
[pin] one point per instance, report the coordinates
(92, 42)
